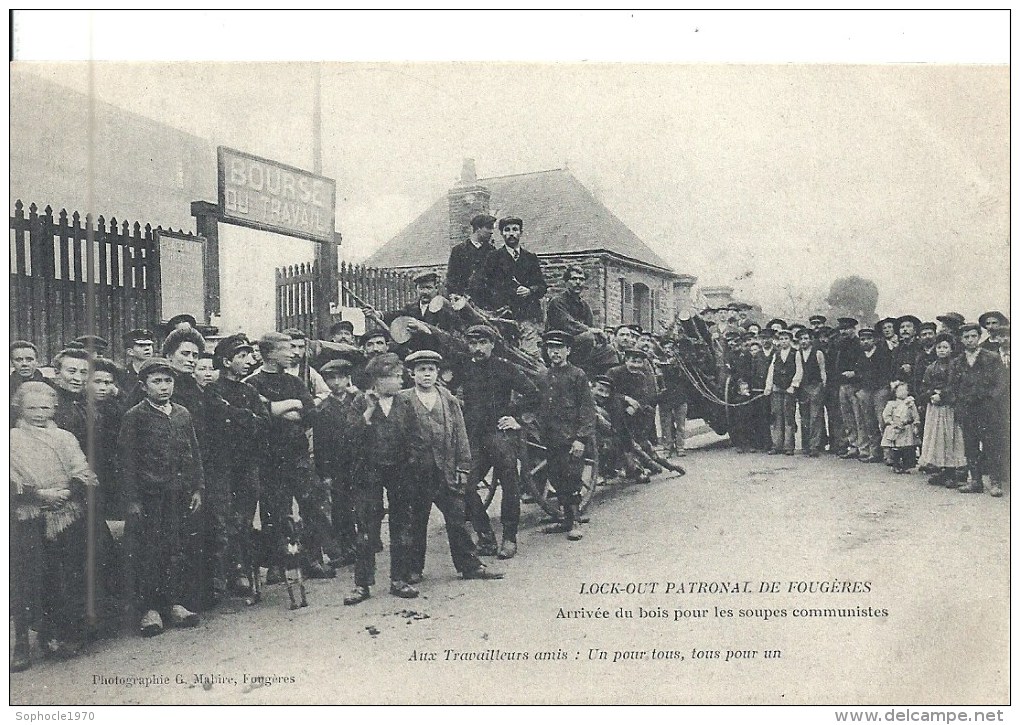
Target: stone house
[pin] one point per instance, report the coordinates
(563, 224)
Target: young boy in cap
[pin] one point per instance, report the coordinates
(781, 384)
(333, 455)
(566, 419)
(239, 436)
(490, 414)
(375, 439)
(439, 459)
(636, 386)
(163, 481)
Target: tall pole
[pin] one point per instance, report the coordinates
(325, 252)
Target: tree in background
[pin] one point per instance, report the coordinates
(853, 296)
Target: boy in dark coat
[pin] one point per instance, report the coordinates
(162, 481)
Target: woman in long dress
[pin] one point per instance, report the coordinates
(942, 446)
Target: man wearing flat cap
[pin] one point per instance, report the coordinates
(566, 420)
(874, 373)
(426, 286)
(816, 321)
(512, 277)
(468, 257)
(138, 347)
(491, 413)
(811, 393)
(846, 349)
(342, 332)
(239, 434)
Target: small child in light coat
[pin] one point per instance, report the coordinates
(902, 422)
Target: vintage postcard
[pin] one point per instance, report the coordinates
(700, 365)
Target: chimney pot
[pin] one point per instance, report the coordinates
(467, 172)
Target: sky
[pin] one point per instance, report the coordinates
(794, 173)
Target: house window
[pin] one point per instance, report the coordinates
(642, 305)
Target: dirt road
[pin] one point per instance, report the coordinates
(900, 594)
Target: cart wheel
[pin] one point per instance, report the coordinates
(535, 480)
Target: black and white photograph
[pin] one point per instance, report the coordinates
(395, 358)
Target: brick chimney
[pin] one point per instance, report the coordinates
(466, 199)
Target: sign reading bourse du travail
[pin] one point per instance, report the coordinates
(265, 194)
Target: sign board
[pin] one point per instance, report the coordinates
(264, 194)
(181, 274)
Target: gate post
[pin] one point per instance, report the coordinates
(206, 225)
(326, 287)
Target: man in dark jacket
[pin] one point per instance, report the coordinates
(493, 433)
(975, 388)
(873, 373)
(570, 312)
(512, 277)
(566, 420)
(239, 433)
(469, 256)
(846, 348)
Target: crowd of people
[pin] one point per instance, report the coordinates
(285, 454)
(905, 392)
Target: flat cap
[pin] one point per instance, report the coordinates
(604, 380)
(805, 332)
(95, 342)
(481, 332)
(337, 366)
(138, 336)
(820, 319)
(867, 332)
(847, 323)
(630, 326)
(230, 346)
(482, 220)
(635, 352)
(928, 326)
(557, 337)
(423, 356)
(969, 327)
(341, 325)
(784, 333)
(153, 363)
(426, 278)
(510, 220)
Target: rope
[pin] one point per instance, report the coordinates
(703, 387)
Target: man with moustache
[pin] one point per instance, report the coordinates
(493, 434)
(512, 277)
(874, 372)
(905, 354)
(570, 312)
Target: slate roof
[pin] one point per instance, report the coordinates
(560, 216)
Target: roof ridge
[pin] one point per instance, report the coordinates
(523, 173)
